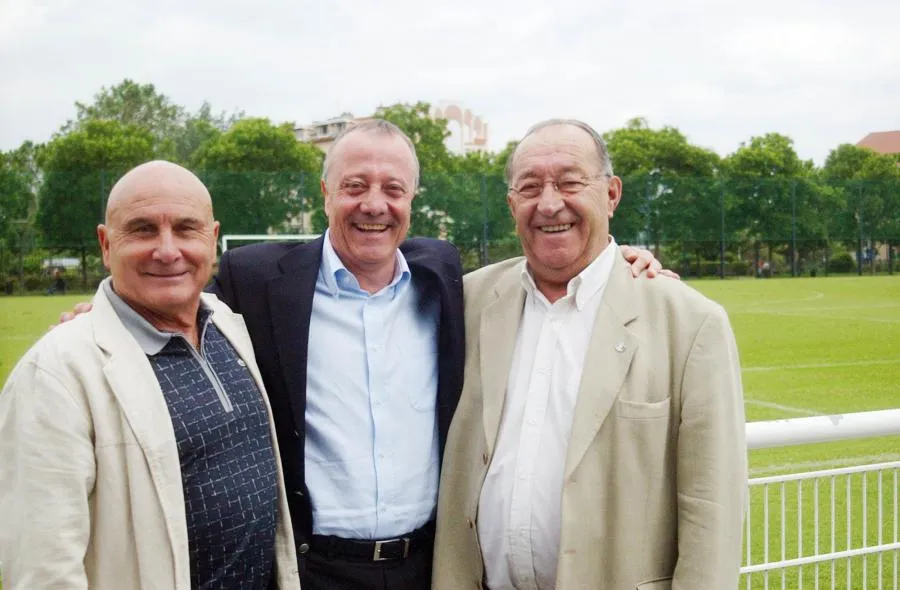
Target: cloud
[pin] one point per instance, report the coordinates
(722, 71)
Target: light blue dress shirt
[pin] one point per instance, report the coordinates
(371, 391)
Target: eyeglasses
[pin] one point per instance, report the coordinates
(529, 189)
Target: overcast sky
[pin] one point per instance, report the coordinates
(824, 72)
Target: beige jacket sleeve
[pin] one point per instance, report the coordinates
(46, 475)
(711, 461)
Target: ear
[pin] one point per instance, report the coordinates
(325, 198)
(216, 227)
(511, 203)
(103, 238)
(614, 195)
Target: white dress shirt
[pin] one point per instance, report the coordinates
(371, 392)
(520, 505)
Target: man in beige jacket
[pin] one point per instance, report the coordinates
(136, 442)
(599, 439)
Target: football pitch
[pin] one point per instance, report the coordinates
(808, 347)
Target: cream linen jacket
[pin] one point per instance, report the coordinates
(656, 469)
(95, 500)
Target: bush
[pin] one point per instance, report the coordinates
(842, 262)
(740, 268)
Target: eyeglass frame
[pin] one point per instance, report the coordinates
(585, 180)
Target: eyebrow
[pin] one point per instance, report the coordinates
(140, 221)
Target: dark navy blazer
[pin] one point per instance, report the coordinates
(272, 286)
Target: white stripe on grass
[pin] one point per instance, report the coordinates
(871, 362)
(791, 409)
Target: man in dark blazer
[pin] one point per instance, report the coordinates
(354, 530)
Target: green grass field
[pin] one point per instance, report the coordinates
(808, 347)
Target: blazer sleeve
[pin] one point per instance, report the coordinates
(47, 472)
(711, 461)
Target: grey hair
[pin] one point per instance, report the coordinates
(373, 126)
(602, 152)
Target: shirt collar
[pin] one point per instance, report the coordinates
(585, 284)
(338, 278)
(148, 338)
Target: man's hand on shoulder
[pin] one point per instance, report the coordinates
(79, 309)
(643, 260)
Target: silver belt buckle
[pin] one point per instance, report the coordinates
(377, 554)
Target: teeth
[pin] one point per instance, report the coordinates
(556, 228)
(371, 226)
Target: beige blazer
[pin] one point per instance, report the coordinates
(656, 472)
(94, 499)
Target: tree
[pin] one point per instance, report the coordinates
(260, 177)
(15, 198)
(866, 183)
(670, 190)
(776, 198)
(199, 128)
(79, 169)
(135, 104)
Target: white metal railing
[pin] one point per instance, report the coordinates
(855, 507)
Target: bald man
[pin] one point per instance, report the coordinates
(136, 443)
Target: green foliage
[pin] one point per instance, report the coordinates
(259, 175)
(140, 105)
(15, 198)
(841, 262)
(79, 169)
(669, 186)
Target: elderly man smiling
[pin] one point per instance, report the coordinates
(136, 445)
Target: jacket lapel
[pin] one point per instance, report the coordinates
(136, 389)
(498, 331)
(290, 307)
(608, 359)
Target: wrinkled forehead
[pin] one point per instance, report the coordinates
(555, 150)
(374, 153)
(160, 198)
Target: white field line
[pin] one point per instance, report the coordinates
(872, 362)
(815, 315)
(792, 409)
(814, 297)
(825, 464)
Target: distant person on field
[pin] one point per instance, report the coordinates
(136, 443)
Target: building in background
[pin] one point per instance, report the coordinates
(883, 142)
(468, 132)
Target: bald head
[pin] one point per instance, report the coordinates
(155, 178)
(159, 242)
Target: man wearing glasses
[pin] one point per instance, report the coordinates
(599, 438)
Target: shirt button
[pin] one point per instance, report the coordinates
(303, 548)
(485, 457)
(297, 434)
(470, 523)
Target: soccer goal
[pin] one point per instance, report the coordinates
(235, 240)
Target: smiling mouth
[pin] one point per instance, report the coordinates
(553, 229)
(168, 276)
(371, 227)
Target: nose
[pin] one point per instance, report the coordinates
(167, 250)
(550, 202)
(374, 202)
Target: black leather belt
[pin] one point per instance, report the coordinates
(381, 550)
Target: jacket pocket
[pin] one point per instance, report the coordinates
(658, 584)
(643, 410)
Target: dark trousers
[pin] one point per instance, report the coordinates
(319, 572)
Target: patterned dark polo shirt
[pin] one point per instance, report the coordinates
(225, 449)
